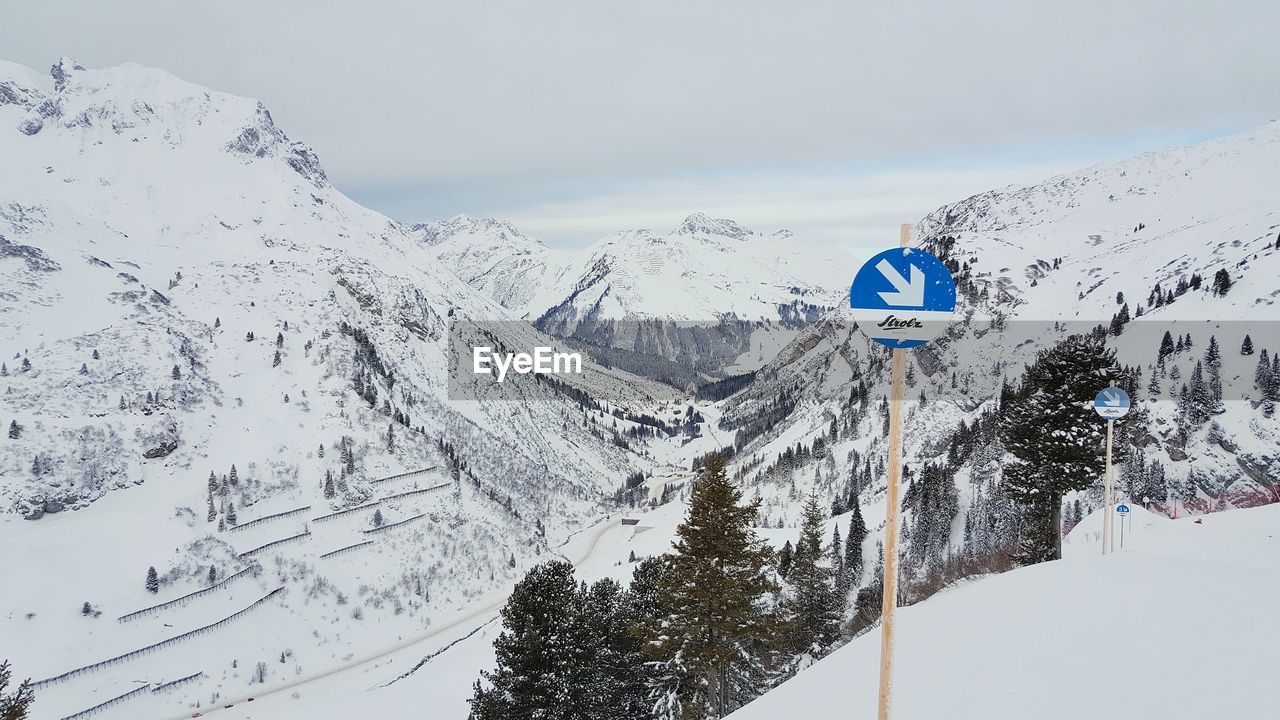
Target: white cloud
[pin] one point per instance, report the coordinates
(499, 97)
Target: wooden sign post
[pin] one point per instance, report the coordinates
(890, 599)
(901, 298)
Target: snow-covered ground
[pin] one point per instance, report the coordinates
(1179, 625)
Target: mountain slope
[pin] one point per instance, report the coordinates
(182, 292)
(1086, 636)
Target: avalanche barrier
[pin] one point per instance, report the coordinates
(103, 706)
(265, 518)
(185, 598)
(156, 646)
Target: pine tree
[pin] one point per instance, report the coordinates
(213, 511)
(1246, 347)
(1221, 282)
(391, 436)
(1166, 346)
(541, 666)
(275, 362)
(856, 536)
(1196, 405)
(177, 373)
(377, 518)
(4, 370)
(15, 430)
(84, 368)
(716, 583)
(213, 574)
(234, 477)
(328, 484)
(153, 581)
(1054, 438)
(279, 339)
(320, 452)
(231, 514)
(810, 607)
(837, 566)
(26, 364)
(785, 556)
(14, 705)
(213, 482)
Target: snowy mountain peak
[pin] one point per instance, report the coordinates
(703, 224)
(62, 71)
(461, 225)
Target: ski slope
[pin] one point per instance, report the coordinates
(1180, 624)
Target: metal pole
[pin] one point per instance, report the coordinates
(890, 599)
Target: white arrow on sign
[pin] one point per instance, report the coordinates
(909, 294)
(1110, 398)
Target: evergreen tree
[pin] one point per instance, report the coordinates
(1055, 439)
(320, 452)
(231, 514)
(1246, 347)
(15, 430)
(377, 518)
(391, 436)
(785, 556)
(716, 587)
(1221, 282)
(213, 482)
(213, 511)
(86, 609)
(543, 669)
(1263, 379)
(1166, 346)
(853, 541)
(26, 364)
(328, 484)
(213, 574)
(4, 370)
(84, 368)
(233, 477)
(176, 374)
(838, 568)
(279, 339)
(1197, 403)
(275, 361)
(810, 607)
(96, 356)
(153, 581)
(14, 705)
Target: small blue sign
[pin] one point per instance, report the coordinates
(1122, 509)
(903, 298)
(1111, 403)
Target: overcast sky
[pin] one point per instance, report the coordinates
(837, 120)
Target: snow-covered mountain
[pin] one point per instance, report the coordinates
(703, 270)
(1035, 264)
(707, 299)
(182, 291)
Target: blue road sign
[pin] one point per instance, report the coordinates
(1122, 509)
(903, 298)
(1111, 403)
